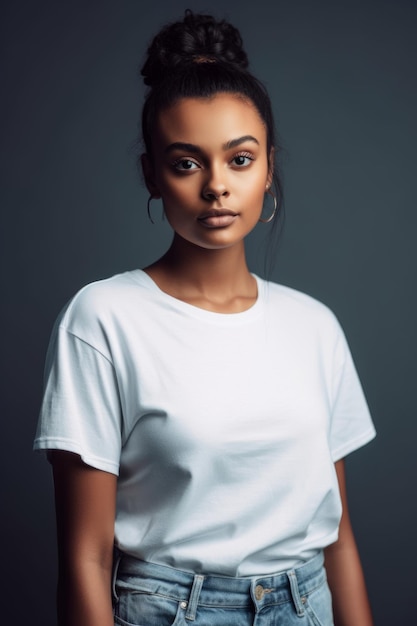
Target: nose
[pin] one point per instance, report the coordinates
(215, 187)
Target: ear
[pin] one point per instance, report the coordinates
(149, 175)
(271, 168)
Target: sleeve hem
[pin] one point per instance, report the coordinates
(353, 445)
(66, 445)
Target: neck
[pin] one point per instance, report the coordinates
(204, 267)
(211, 278)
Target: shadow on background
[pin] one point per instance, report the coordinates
(342, 80)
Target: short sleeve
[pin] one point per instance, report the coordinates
(81, 410)
(351, 425)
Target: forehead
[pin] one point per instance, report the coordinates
(210, 121)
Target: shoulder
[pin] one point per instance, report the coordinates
(283, 298)
(309, 323)
(301, 314)
(98, 303)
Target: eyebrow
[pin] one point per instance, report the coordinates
(236, 142)
(190, 147)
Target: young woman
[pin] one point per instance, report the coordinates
(196, 415)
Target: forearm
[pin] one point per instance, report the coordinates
(84, 595)
(85, 511)
(344, 569)
(347, 584)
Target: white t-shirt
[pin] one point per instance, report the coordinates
(222, 428)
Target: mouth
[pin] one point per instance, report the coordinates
(217, 218)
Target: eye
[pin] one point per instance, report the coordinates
(185, 165)
(243, 159)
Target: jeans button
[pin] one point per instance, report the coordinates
(259, 592)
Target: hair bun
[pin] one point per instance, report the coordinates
(197, 38)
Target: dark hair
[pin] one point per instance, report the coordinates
(200, 57)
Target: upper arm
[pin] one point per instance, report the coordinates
(345, 527)
(85, 502)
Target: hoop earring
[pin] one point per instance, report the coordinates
(149, 209)
(271, 217)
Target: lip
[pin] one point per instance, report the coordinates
(217, 218)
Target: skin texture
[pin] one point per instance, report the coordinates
(85, 502)
(344, 570)
(197, 168)
(222, 163)
(207, 266)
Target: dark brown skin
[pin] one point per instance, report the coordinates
(344, 570)
(85, 510)
(207, 268)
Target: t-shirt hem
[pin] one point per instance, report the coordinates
(261, 569)
(353, 445)
(46, 443)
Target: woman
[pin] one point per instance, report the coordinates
(197, 416)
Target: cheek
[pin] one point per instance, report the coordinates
(253, 188)
(257, 177)
(179, 201)
(179, 189)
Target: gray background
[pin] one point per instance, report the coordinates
(342, 80)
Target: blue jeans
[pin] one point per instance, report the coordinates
(153, 595)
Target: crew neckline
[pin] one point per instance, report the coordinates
(195, 311)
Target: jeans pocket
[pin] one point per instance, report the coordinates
(318, 606)
(146, 609)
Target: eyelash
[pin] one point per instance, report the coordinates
(246, 155)
(178, 162)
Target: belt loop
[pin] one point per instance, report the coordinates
(117, 557)
(194, 596)
(295, 592)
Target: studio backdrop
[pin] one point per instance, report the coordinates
(342, 80)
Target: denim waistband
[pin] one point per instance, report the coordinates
(219, 591)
